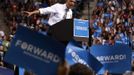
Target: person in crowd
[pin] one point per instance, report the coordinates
(63, 68)
(1, 51)
(80, 69)
(6, 42)
(28, 73)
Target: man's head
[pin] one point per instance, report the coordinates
(70, 3)
(80, 69)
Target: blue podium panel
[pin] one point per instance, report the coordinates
(81, 28)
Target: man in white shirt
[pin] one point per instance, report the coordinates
(57, 11)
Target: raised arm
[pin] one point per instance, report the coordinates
(46, 10)
(32, 12)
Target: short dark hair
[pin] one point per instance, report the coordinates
(80, 69)
(28, 73)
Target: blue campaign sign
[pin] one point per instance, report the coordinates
(115, 59)
(21, 71)
(34, 51)
(81, 28)
(132, 56)
(6, 71)
(76, 54)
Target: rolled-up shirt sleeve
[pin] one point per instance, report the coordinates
(48, 10)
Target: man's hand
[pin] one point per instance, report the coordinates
(27, 13)
(31, 13)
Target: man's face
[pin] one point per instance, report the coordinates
(71, 3)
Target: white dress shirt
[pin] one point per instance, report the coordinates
(57, 13)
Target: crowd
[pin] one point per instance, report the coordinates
(76, 69)
(112, 21)
(13, 16)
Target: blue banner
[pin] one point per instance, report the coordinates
(81, 28)
(133, 56)
(76, 54)
(116, 59)
(21, 71)
(6, 71)
(34, 51)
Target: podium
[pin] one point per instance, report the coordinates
(64, 31)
